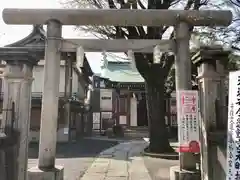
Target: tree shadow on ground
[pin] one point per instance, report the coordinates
(81, 148)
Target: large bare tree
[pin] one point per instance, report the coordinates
(234, 31)
(155, 75)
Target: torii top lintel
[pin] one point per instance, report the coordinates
(117, 17)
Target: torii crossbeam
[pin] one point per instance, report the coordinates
(117, 17)
(117, 45)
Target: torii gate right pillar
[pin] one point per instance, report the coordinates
(187, 168)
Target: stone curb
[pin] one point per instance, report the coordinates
(121, 162)
(107, 139)
(173, 156)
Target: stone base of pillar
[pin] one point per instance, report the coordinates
(176, 174)
(37, 174)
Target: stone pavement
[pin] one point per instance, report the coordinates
(159, 169)
(75, 157)
(121, 162)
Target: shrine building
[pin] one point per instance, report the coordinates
(118, 95)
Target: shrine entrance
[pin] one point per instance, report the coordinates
(55, 18)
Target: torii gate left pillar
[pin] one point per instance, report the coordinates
(49, 114)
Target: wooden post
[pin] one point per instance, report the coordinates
(68, 94)
(129, 109)
(117, 108)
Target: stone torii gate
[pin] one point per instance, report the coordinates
(55, 18)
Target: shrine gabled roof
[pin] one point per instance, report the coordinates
(35, 39)
(121, 72)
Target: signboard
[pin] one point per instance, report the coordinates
(106, 99)
(233, 143)
(65, 131)
(188, 121)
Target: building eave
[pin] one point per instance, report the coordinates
(36, 38)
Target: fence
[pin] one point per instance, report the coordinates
(9, 145)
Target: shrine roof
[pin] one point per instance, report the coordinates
(35, 39)
(121, 72)
(34, 45)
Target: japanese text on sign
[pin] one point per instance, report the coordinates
(187, 113)
(233, 144)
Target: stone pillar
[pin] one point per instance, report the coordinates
(220, 67)
(68, 94)
(209, 83)
(17, 89)
(183, 82)
(213, 115)
(182, 60)
(49, 116)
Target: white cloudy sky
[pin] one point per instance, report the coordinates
(13, 33)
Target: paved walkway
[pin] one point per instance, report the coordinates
(159, 169)
(121, 162)
(75, 157)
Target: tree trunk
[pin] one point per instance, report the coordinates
(159, 142)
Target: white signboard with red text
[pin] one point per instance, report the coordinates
(188, 121)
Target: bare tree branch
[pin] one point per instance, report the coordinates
(111, 4)
(175, 2)
(143, 61)
(236, 2)
(141, 4)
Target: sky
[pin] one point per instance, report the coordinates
(13, 33)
